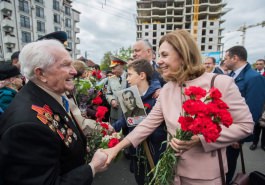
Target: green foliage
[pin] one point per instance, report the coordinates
(122, 53)
(105, 62)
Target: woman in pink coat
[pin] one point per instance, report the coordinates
(180, 63)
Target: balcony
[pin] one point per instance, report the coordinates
(77, 30)
(8, 23)
(5, 5)
(77, 52)
(77, 40)
(9, 40)
(76, 16)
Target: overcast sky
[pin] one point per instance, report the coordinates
(107, 25)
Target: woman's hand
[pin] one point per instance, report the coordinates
(111, 153)
(182, 146)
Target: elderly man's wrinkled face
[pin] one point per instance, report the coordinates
(59, 75)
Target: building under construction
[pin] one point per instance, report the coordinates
(202, 18)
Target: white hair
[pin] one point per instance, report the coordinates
(37, 54)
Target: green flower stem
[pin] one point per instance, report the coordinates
(164, 171)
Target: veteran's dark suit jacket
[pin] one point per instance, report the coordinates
(31, 153)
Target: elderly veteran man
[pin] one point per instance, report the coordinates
(40, 143)
(115, 84)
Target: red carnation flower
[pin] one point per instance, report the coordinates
(195, 92)
(101, 111)
(97, 100)
(147, 105)
(113, 142)
(215, 93)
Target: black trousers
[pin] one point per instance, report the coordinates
(257, 130)
(232, 156)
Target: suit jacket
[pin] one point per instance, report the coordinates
(40, 144)
(114, 86)
(218, 70)
(252, 87)
(157, 75)
(263, 74)
(200, 162)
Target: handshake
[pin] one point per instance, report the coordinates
(98, 162)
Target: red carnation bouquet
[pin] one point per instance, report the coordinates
(203, 114)
(101, 136)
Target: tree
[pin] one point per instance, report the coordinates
(123, 54)
(105, 62)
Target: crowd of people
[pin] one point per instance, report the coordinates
(49, 103)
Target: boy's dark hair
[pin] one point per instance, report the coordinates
(142, 65)
(239, 51)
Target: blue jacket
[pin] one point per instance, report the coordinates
(6, 96)
(252, 87)
(159, 135)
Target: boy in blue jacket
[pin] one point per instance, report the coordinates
(140, 74)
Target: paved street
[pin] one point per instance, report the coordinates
(118, 173)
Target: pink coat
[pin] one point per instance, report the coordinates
(200, 162)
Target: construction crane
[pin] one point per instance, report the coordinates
(245, 27)
(195, 19)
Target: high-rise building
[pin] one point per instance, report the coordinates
(24, 21)
(202, 18)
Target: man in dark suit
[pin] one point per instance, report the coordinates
(252, 87)
(260, 64)
(209, 65)
(142, 49)
(40, 140)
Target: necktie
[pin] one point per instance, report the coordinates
(232, 74)
(65, 103)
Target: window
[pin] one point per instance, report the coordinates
(56, 18)
(39, 1)
(203, 40)
(154, 34)
(211, 23)
(26, 37)
(146, 26)
(154, 27)
(210, 39)
(56, 5)
(210, 47)
(41, 26)
(162, 26)
(69, 34)
(67, 10)
(68, 23)
(202, 48)
(24, 21)
(146, 33)
(211, 31)
(24, 6)
(204, 24)
(39, 12)
(57, 28)
(69, 45)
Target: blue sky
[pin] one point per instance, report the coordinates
(107, 25)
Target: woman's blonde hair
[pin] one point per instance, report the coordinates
(186, 47)
(80, 67)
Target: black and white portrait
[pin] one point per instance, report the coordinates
(131, 105)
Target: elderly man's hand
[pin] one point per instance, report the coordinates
(98, 161)
(114, 103)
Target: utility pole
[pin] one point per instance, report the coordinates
(244, 29)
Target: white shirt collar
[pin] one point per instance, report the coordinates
(238, 71)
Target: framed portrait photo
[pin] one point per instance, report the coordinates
(131, 105)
